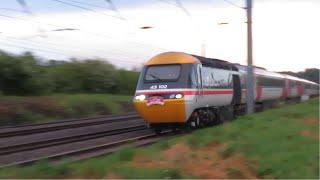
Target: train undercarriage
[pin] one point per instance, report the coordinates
(210, 116)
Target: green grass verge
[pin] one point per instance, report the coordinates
(271, 138)
(17, 109)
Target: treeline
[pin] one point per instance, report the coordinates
(27, 75)
(311, 74)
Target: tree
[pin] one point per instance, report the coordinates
(27, 75)
(127, 81)
(311, 74)
(20, 75)
(90, 76)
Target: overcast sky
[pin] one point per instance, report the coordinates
(286, 33)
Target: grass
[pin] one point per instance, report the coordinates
(271, 141)
(20, 110)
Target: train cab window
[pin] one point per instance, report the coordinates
(162, 73)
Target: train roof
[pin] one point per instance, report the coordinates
(262, 71)
(216, 63)
(222, 64)
(180, 57)
(298, 79)
(172, 58)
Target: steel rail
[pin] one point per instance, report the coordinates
(54, 126)
(92, 151)
(113, 129)
(67, 120)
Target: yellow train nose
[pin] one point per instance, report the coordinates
(173, 110)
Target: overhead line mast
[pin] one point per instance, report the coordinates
(250, 75)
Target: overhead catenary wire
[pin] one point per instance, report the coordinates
(29, 48)
(14, 10)
(195, 26)
(57, 48)
(74, 45)
(114, 8)
(142, 44)
(24, 5)
(168, 2)
(86, 8)
(178, 4)
(233, 4)
(89, 4)
(47, 50)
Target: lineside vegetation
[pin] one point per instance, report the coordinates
(28, 75)
(15, 110)
(35, 90)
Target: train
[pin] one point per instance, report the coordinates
(177, 89)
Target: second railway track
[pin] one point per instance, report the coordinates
(79, 150)
(66, 124)
(24, 144)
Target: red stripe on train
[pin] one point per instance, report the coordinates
(189, 92)
(218, 92)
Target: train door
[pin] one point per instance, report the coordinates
(300, 88)
(236, 99)
(286, 89)
(200, 87)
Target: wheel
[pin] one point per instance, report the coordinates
(175, 130)
(225, 114)
(211, 119)
(195, 122)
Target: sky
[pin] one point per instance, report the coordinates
(285, 32)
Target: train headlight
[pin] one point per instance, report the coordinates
(178, 96)
(140, 97)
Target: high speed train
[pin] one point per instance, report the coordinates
(177, 89)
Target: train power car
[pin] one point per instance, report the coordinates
(181, 90)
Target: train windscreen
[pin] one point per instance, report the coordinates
(162, 73)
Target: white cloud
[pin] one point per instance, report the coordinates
(286, 34)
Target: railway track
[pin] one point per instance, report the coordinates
(81, 150)
(12, 145)
(77, 138)
(66, 124)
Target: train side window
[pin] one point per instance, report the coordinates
(307, 86)
(291, 84)
(230, 81)
(193, 77)
(199, 76)
(205, 77)
(270, 82)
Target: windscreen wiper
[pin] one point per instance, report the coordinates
(155, 77)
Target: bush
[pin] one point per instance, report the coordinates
(25, 74)
(21, 75)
